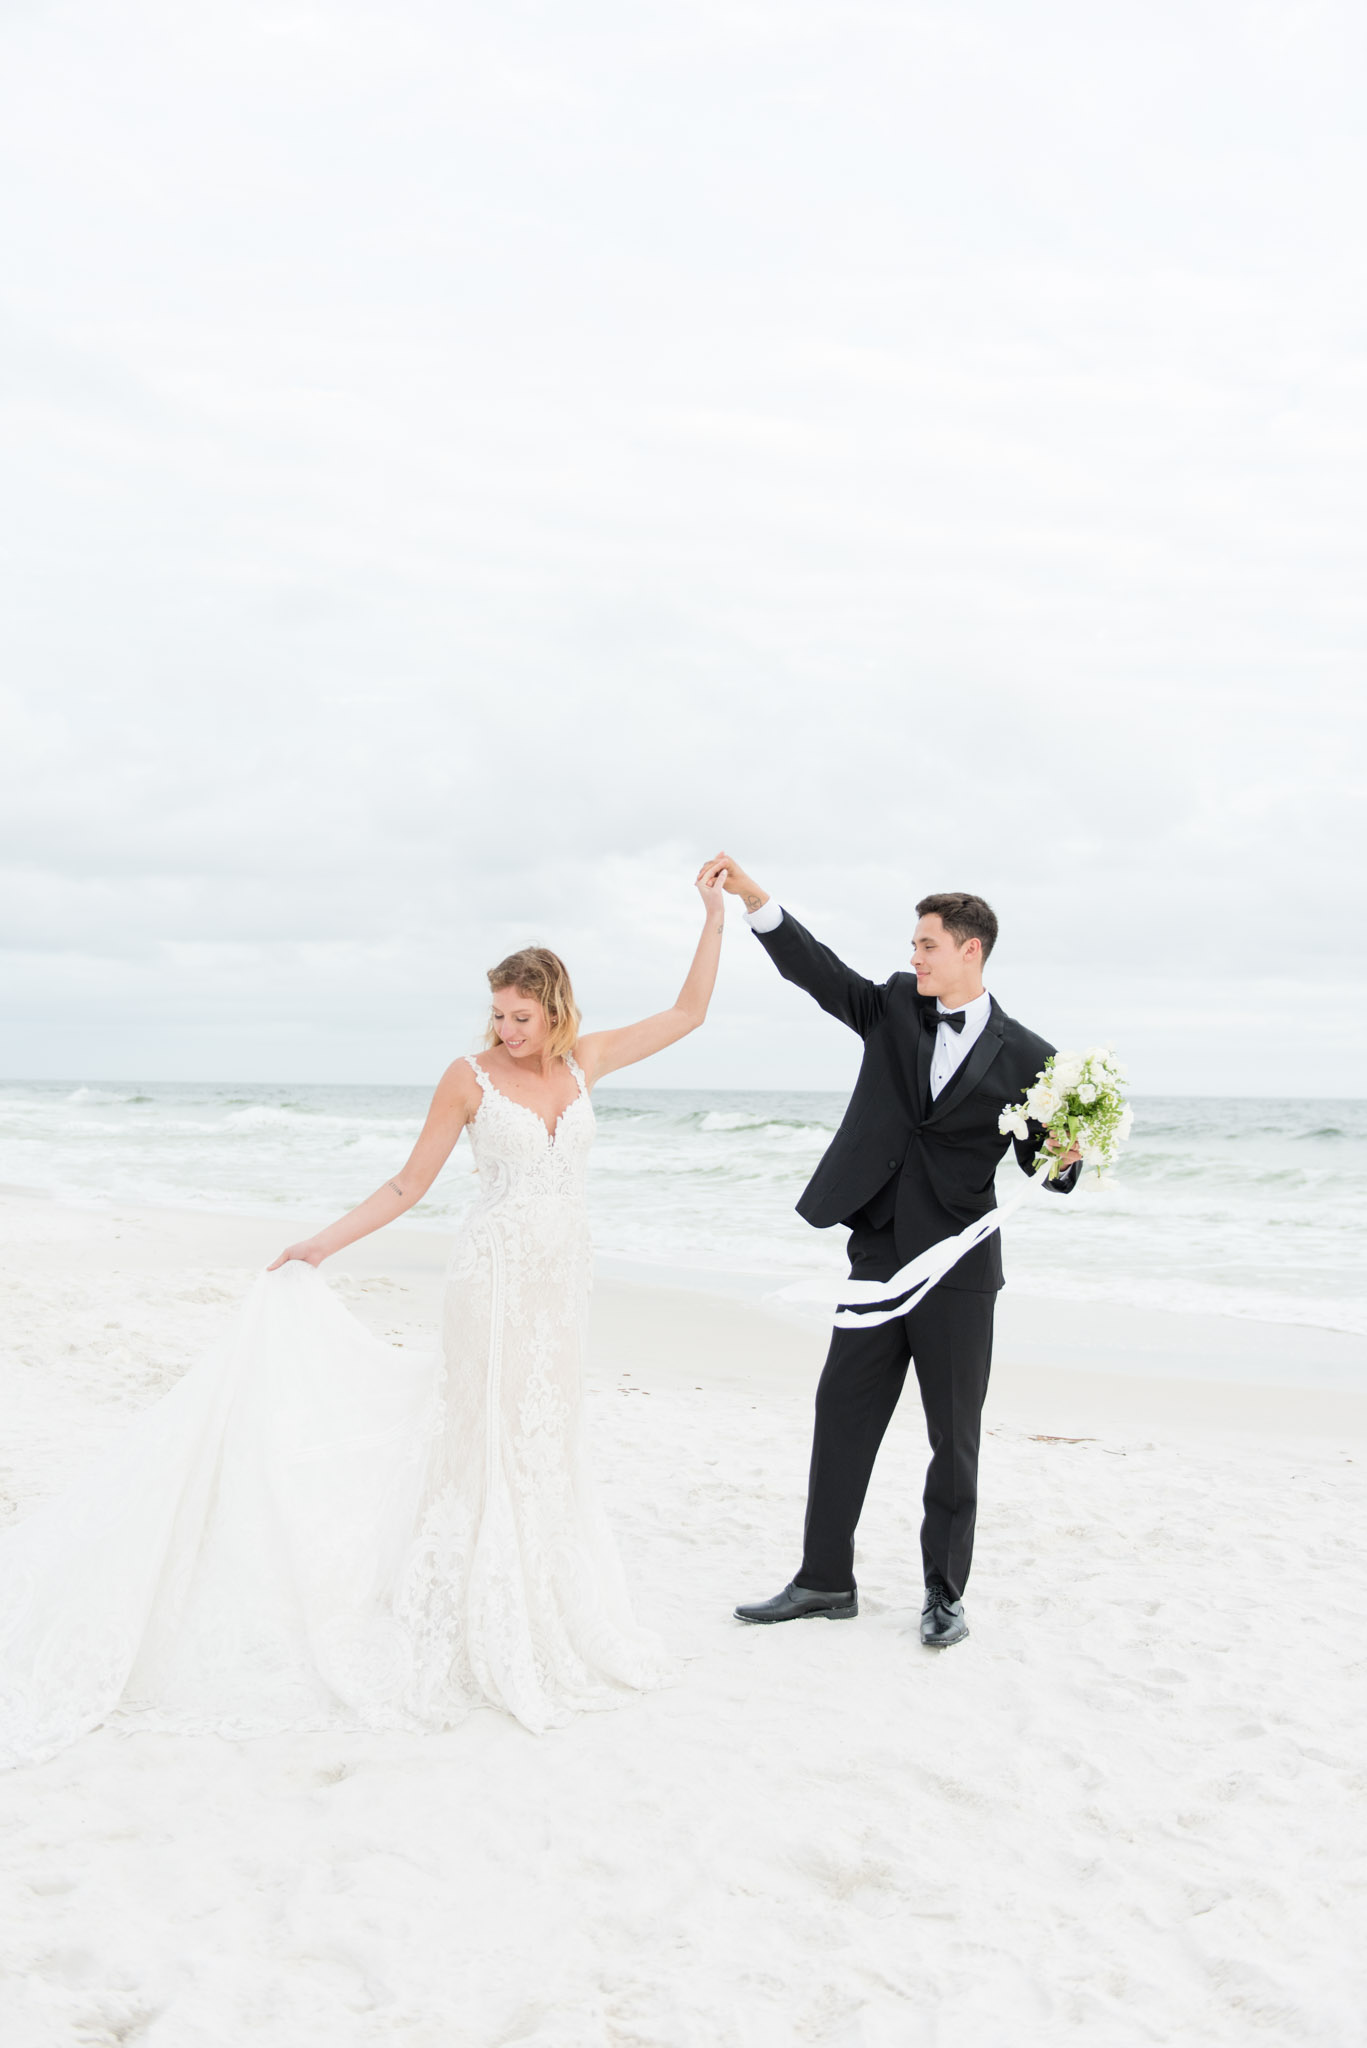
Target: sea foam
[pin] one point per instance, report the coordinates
(1244, 1207)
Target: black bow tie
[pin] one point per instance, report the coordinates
(954, 1019)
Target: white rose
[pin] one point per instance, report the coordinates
(1011, 1123)
(1086, 1092)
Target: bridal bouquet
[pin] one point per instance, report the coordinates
(1077, 1097)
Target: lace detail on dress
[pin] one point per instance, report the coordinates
(316, 1530)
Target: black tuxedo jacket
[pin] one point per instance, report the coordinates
(925, 1167)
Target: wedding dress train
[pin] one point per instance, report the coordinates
(316, 1530)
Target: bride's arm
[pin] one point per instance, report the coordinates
(454, 1104)
(602, 1052)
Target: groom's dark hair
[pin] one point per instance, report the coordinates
(964, 917)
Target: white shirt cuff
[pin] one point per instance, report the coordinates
(767, 918)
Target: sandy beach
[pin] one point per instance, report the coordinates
(787, 581)
(1129, 1809)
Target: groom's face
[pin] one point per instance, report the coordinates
(940, 964)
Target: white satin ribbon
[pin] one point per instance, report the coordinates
(914, 1281)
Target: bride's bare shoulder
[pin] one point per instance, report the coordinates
(458, 1089)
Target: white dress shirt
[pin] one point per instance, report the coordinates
(951, 1047)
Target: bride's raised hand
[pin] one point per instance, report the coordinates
(311, 1253)
(603, 1052)
(711, 885)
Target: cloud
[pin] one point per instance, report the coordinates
(461, 469)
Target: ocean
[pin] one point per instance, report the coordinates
(1223, 1205)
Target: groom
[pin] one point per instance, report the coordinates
(912, 1162)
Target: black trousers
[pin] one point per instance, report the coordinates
(949, 1336)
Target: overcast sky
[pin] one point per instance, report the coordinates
(463, 464)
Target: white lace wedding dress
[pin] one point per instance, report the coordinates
(317, 1530)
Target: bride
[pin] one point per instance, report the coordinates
(316, 1530)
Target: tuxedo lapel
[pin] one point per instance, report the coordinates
(925, 1053)
(967, 1077)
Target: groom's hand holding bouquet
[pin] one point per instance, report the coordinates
(1077, 1097)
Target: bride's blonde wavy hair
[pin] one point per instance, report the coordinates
(542, 975)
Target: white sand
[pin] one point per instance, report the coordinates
(1129, 1809)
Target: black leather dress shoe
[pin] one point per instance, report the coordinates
(796, 1601)
(942, 1617)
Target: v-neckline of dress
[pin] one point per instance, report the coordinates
(552, 1133)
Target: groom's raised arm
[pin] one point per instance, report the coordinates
(802, 959)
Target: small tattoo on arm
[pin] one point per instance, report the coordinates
(751, 901)
(397, 1189)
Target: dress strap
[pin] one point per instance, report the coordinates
(572, 1063)
(485, 1083)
